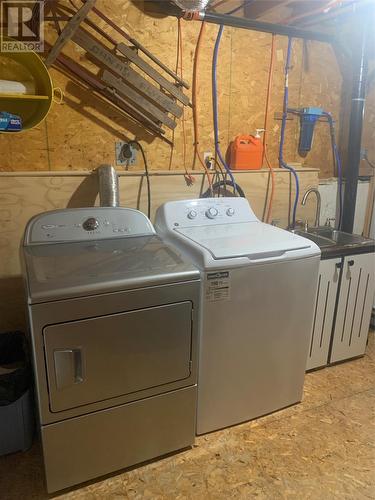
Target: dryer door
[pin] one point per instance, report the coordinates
(105, 357)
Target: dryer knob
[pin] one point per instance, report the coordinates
(212, 212)
(90, 224)
(192, 214)
(230, 212)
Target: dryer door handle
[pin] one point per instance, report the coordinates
(68, 367)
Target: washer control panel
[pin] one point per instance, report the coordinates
(82, 224)
(205, 211)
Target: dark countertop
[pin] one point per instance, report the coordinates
(335, 244)
(338, 250)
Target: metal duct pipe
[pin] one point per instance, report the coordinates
(253, 24)
(360, 69)
(172, 9)
(108, 186)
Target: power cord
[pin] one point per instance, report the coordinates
(139, 146)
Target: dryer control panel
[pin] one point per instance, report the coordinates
(81, 224)
(205, 211)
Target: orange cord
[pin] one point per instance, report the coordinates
(195, 107)
(265, 155)
(174, 119)
(188, 177)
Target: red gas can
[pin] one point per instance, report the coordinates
(246, 153)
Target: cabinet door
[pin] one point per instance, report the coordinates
(354, 307)
(329, 272)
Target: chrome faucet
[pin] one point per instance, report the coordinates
(318, 203)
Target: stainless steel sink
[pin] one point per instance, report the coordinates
(327, 237)
(339, 237)
(321, 241)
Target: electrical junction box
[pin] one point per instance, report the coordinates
(125, 153)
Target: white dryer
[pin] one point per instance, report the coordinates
(258, 290)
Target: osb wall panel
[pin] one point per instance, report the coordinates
(23, 196)
(81, 133)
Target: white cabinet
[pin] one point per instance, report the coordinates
(329, 273)
(343, 307)
(354, 307)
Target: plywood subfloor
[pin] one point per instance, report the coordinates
(323, 448)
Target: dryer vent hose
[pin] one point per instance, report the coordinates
(108, 186)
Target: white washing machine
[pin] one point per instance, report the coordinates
(258, 290)
(113, 315)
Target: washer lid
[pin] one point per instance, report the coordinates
(67, 270)
(247, 239)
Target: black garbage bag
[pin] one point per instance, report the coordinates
(15, 373)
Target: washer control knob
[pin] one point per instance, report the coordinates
(90, 224)
(230, 212)
(212, 212)
(192, 214)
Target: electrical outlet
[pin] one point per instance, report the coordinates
(125, 153)
(363, 153)
(207, 158)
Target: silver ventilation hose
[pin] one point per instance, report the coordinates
(108, 186)
(194, 5)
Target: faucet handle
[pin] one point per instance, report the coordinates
(299, 223)
(329, 220)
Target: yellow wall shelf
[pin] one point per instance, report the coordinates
(24, 97)
(33, 108)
